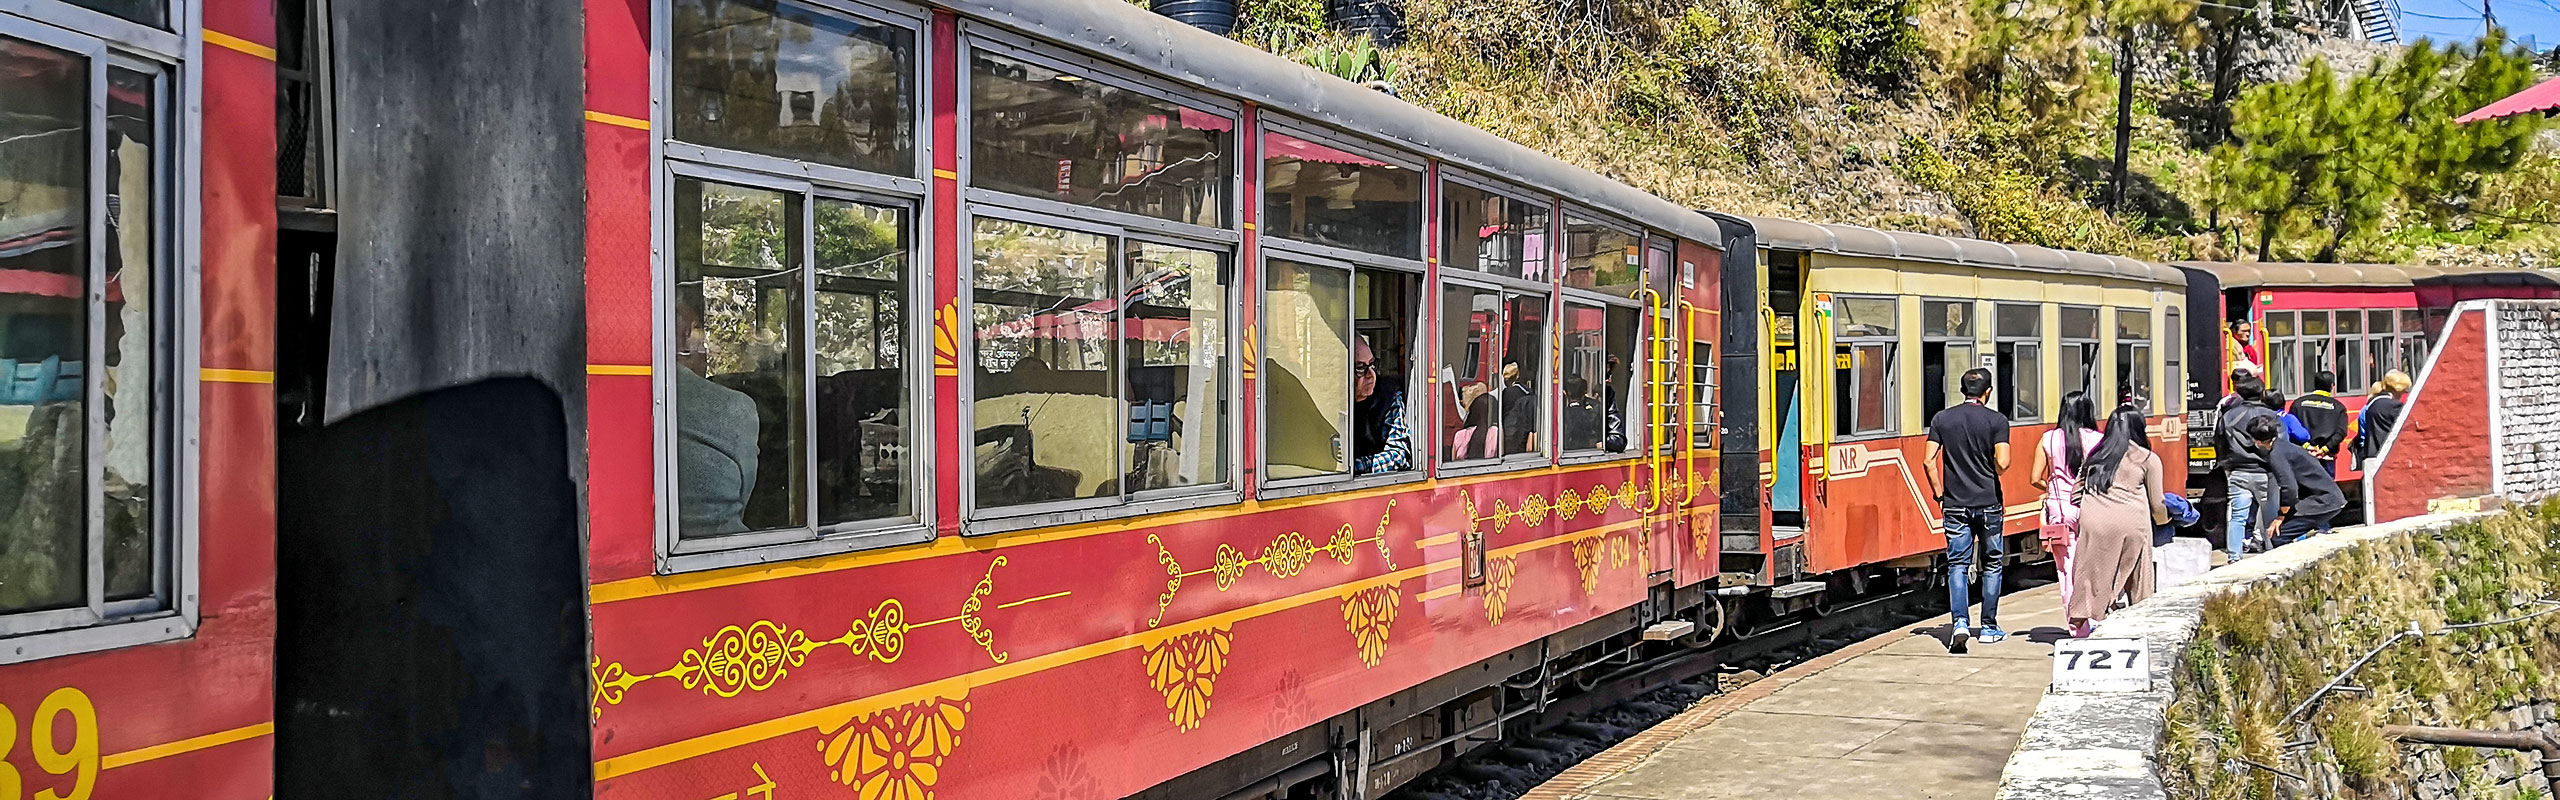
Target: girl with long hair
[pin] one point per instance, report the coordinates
(2057, 471)
(2121, 501)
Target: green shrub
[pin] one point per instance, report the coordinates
(1873, 42)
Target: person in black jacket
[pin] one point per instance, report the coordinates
(2321, 412)
(2310, 497)
(2248, 476)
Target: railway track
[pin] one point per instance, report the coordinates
(1627, 699)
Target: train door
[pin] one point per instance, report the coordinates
(1785, 305)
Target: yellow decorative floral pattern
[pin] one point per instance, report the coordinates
(895, 753)
(1287, 556)
(1185, 670)
(1369, 613)
(1586, 560)
(1497, 586)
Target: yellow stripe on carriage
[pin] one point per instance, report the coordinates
(234, 43)
(706, 744)
(183, 746)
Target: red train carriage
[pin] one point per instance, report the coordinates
(1897, 318)
(137, 600)
(2294, 321)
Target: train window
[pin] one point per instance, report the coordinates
(1306, 355)
(154, 13)
(1493, 233)
(1864, 370)
(2133, 358)
(2350, 350)
(740, 393)
(1602, 258)
(1524, 362)
(1946, 351)
(1587, 419)
(1044, 132)
(790, 80)
(1098, 370)
(2416, 329)
(860, 281)
(1621, 391)
(2018, 368)
(1702, 394)
(1492, 346)
(1323, 195)
(2079, 356)
(82, 379)
(2173, 372)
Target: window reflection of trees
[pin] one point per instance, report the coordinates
(786, 80)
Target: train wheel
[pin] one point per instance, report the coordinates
(1711, 619)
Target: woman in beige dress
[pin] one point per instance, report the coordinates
(2120, 502)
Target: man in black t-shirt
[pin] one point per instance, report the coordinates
(1968, 449)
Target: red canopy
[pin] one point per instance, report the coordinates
(2543, 97)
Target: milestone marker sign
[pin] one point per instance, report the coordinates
(2089, 666)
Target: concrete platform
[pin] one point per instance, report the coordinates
(1892, 717)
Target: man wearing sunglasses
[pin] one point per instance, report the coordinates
(1383, 439)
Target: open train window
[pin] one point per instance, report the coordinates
(92, 464)
(791, 308)
(2133, 358)
(1866, 373)
(1607, 370)
(2018, 341)
(2078, 339)
(1340, 313)
(1946, 351)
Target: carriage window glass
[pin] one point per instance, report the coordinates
(1946, 351)
(1306, 369)
(44, 326)
(1175, 390)
(2283, 364)
(1702, 388)
(2350, 323)
(2018, 361)
(1946, 318)
(2348, 348)
(741, 411)
(2173, 374)
(1321, 195)
(1623, 392)
(1470, 373)
(1044, 406)
(1386, 316)
(862, 279)
(2410, 321)
(1857, 317)
(1047, 133)
(2279, 323)
(2315, 323)
(1585, 367)
(154, 13)
(2079, 323)
(1493, 233)
(1866, 397)
(1602, 258)
(1524, 368)
(2133, 358)
(789, 80)
(131, 369)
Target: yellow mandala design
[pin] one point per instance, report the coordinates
(895, 753)
(1568, 504)
(1185, 670)
(1497, 587)
(1369, 613)
(1534, 509)
(1598, 500)
(1501, 516)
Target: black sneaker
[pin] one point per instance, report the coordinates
(1956, 641)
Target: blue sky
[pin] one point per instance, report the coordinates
(2459, 20)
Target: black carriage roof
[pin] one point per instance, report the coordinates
(1852, 240)
(1117, 31)
(2234, 274)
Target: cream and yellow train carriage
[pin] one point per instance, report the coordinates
(1863, 335)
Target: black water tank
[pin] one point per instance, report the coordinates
(1381, 20)
(1214, 16)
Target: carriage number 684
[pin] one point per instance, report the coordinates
(80, 759)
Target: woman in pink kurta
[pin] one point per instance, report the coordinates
(2057, 472)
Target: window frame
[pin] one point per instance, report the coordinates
(983, 520)
(1352, 263)
(172, 610)
(2097, 350)
(1971, 340)
(2111, 325)
(2000, 336)
(975, 36)
(1639, 431)
(2173, 362)
(1892, 412)
(1269, 122)
(671, 160)
(1546, 204)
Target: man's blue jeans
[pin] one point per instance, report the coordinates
(2251, 500)
(1966, 527)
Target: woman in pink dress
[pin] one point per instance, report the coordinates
(2057, 472)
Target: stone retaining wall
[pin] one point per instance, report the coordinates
(2184, 739)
